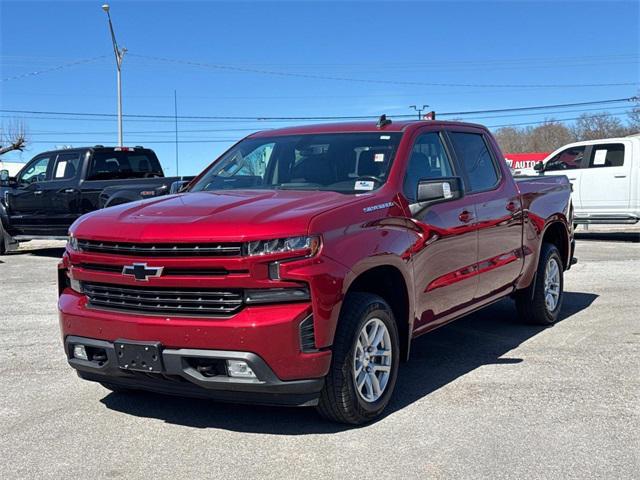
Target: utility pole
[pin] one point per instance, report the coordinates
(175, 110)
(419, 110)
(119, 52)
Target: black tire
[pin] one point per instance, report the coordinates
(3, 248)
(530, 302)
(115, 388)
(339, 400)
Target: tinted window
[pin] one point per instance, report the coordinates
(66, 166)
(473, 154)
(428, 160)
(610, 155)
(36, 171)
(112, 165)
(342, 162)
(568, 159)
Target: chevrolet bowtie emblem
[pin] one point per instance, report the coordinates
(142, 272)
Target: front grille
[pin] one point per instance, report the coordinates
(162, 249)
(164, 301)
(168, 271)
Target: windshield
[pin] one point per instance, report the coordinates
(342, 162)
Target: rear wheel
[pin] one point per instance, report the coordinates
(364, 366)
(541, 302)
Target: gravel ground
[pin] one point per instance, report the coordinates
(484, 397)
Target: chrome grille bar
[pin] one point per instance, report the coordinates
(162, 249)
(163, 301)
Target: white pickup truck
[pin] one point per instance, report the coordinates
(605, 175)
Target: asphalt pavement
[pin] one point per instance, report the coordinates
(483, 397)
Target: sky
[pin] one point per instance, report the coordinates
(305, 58)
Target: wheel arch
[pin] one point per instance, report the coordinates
(388, 282)
(557, 234)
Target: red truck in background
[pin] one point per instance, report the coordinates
(299, 266)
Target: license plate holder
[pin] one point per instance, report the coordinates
(139, 356)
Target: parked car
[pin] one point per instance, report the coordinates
(299, 266)
(605, 175)
(57, 187)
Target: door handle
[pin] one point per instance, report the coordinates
(572, 178)
(619, 176)
(465, 216)
(67, 190)
(37, 192)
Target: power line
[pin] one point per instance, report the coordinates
(232, 140)
(334, 117)
(554, 120)
(212, 130)
(373, 81)
(58, 67)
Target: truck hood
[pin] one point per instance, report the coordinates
(232, 215)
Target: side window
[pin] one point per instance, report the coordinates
(36, 171)
(609, 155)
(66, 166)
(568, 159)
(428, 160)
(474, 156)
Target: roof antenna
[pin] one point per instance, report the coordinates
(383, 121)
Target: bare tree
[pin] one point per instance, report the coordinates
(512, 139)
(544, 138)
(597, 126)
(634, 119)
(549, 136)
(13, 137)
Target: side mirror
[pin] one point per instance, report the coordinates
(178, 186)
(539, 167)
(440, 189)
(4, 176)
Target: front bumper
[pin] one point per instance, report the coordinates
(272, 332)
(180, 377)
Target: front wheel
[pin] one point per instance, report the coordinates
(540, 303)
(364, 367)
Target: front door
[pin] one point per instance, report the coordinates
(27, 207)
(445, 247)
(569, 162)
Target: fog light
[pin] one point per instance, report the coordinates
(80, 352)
(240, 369)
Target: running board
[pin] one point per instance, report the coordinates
(606, 220)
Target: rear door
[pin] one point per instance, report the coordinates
(61, 192)
(27, 207)
(606, 182)
(498, 212)
(447, 240)
(571, 162)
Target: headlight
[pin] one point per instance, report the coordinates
(308, 246)
(73, 243)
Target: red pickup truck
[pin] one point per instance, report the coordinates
(299, 266)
